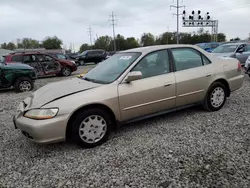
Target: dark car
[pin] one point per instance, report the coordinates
(44, 64)
(17, 75)
(94, 56)
(62, 56)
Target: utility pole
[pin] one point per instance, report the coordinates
(113, 23)
(177, 15)
(90, 31)
(97, 40)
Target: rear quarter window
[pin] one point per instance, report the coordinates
(17, 58)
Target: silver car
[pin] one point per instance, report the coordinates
(240, 51)
(129, 86)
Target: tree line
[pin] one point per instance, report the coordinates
(107, 43)
(29, 43)
(148, 39)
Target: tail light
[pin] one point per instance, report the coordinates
(239, 67)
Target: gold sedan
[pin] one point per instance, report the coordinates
(129, 86)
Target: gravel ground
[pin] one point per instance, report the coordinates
(190, 148)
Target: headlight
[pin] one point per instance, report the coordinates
(73, 62)
(41, 114)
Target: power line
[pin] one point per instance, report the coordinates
(113, 24)
(90, 31)
(177, 15)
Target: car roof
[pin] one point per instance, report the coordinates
(27, 53)
(236, 43)
(159, 47)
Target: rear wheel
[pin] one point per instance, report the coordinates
(91, 127)
(215, 97)
(81, 62)
(23, 84)
(66, 71)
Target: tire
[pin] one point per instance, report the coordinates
(93, 130)
(81, 62)
(23, 84)
(66, 71)
(212, 102)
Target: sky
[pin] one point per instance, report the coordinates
(70, 19)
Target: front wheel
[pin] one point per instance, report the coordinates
(23, 84)
(66, 71)
(91, 127)
(215, 97)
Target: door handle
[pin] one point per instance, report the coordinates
(208, 74)
(166, 85)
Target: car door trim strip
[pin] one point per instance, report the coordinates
(148, 103)
(194, 92)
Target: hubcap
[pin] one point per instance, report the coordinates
(66, 72)
(217, 97)
(81, 62)
(25, 86)
(92, 129)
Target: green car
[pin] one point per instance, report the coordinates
(17, 75)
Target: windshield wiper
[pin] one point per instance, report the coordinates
(95, 81)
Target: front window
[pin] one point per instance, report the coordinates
(225, 48)
(84, 53)
(154, 64)
(110, 69)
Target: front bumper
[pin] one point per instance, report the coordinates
(42, 131)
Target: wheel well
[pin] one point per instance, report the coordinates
(15, 80)
(225, 83)
(99, 106)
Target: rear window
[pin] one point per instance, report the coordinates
(17, 58)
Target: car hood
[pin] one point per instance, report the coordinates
(57, 90)
(18, 66)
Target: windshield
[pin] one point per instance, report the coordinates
(225, 48)
(110, 69)
(60, 56)
(84, 53)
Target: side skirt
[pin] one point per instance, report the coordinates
(119, 124)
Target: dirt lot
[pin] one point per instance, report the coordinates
(189, 148)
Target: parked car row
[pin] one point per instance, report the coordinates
(44, 64)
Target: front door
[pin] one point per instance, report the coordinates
(194, 73)
(6, 77)
(153, 93)
(242, 57)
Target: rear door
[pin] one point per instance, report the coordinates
(193, 73)
(31, 60)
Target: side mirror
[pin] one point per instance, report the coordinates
(240, 50)
(132, 76)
